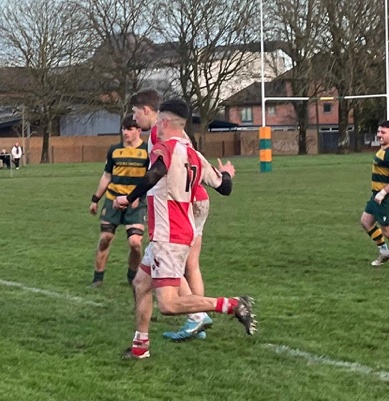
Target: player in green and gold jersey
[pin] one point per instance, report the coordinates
(377, 208)
(126, 164)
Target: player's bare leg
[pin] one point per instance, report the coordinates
(195, 280)
(101, 258)
(170, 302)
(192, 272)
(139, 348)
(377, 234)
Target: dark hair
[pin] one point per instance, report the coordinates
(384, 124)
(146, 97)
(128, 122)
(177, 107)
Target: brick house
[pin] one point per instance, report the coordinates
(245, 108)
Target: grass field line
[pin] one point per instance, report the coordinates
(316, 359)
(279, 349)
(317, 212)
(52, 294)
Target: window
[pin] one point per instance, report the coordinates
(247, 115)
(327, 107)
(271, 110)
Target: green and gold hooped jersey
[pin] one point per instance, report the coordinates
(380, 170)
(127, 167)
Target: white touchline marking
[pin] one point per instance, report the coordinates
(49, 293)
(311, 358)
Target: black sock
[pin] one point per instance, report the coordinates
(98, 276)
(131, 275)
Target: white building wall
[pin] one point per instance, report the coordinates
(97, 123)
(275, 64)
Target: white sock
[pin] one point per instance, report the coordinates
(197, 317)
(141, 336)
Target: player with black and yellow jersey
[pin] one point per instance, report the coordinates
(126, 164)
(377, 208)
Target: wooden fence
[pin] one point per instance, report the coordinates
(217, 144)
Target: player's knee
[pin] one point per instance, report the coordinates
(142, 282)
(137, 282)
(166, 307)
(366, 223)
(135, 244)
(105, 241)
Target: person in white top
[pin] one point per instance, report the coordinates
(16, 153)
(176, 169)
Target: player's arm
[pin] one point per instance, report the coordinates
(228, 172)
(154, 174)
(225, 187)
(103, 183)
(157, 170)
(100, 191)
(380, 196)
(221, 178)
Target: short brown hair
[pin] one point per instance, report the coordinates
(128, 122)
(146, 97)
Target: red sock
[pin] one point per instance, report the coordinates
(226, 305)
(140, 347)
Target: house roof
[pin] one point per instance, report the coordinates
(252, 95)
(13, 79)
(145, 50)
(216, 124)
(9, 121)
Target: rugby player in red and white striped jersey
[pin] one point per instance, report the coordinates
(145, 106)
(176, 169)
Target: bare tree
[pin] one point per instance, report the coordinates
(214, 42)
(125, 53)
(354, 45)
(45, 37)
(298, 25)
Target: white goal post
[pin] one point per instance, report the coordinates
(264, 98)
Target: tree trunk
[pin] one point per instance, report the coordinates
(302, 115)
(302, 141)
(190, 132)
(357, 134)
(203, 131)
(344, 137)
(45, 156)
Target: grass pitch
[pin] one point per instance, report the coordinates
(290, 238)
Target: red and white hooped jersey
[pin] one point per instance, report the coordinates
(170, 213)
(200, 192)
(153, 138)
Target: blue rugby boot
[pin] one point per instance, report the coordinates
(191, 329)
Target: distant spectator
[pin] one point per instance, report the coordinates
(16, 153)
(5, 157)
